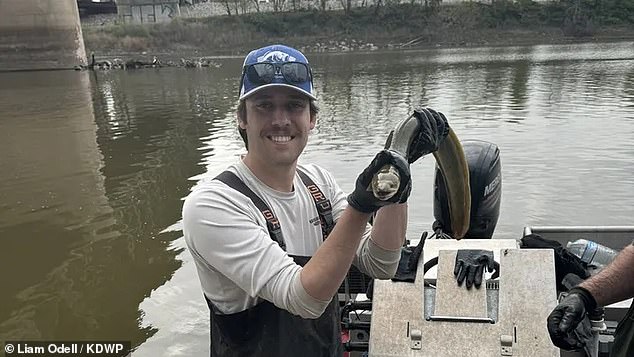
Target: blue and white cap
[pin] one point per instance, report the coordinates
(276, 54)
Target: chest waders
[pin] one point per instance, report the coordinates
(266, 330)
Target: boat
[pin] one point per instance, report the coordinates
(429, 314)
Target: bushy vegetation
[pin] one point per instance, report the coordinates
(575, 17)
(428, 22)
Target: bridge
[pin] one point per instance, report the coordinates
(40, 34)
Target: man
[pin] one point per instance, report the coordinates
(268, 274)
(612, 284)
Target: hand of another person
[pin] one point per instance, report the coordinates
(420, 138)
(363, 198)
(563, 320)
(470, 264)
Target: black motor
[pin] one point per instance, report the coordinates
(485, 179)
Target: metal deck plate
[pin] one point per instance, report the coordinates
(526, 297)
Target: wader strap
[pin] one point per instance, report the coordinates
(272, 224)
(354, 277)
(324, 207)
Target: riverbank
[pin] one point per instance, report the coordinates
(370, 28)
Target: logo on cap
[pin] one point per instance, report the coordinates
(276, 56)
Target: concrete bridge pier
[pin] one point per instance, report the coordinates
(40, 34)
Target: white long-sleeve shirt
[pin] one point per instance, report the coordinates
(237, 261)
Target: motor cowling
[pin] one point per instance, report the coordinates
(485, 180)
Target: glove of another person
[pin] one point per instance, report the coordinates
(470, 264)
(427, 136)
(362, 198)
(563, 320)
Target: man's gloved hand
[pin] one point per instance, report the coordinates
(470, 264)
(362, 198)
(431, 130)
(563, 320)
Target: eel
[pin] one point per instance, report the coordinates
(451, 160)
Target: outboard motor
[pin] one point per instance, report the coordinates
(485, 179)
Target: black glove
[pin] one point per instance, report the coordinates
(408, 264)
(431, 130)
(563, 320)
(470, 264)
(362, 198)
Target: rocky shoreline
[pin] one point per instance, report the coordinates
(155, 62)
(172, 57)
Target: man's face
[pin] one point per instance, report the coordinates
(278, 123)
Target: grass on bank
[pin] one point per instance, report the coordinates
(449, 24)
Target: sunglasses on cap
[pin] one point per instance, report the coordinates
(266, 72)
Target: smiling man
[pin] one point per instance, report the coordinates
(269, 255)
(278, 128)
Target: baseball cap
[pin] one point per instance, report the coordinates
(276, 65)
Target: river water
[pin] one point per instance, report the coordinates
(94, 168)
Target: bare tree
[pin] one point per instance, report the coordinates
(278, 5)
(227, 6)
(378, 4)
(346, 5)
(244, 5)
(236, 6)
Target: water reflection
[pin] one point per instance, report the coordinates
(54, 205)
(95, 173)
(148, 163)
(95, 167)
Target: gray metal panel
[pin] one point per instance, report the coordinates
(397, 306)
(492, 293)
(527, 296)
(447, 288)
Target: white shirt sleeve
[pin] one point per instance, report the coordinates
(221, 227)
(370, 259)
